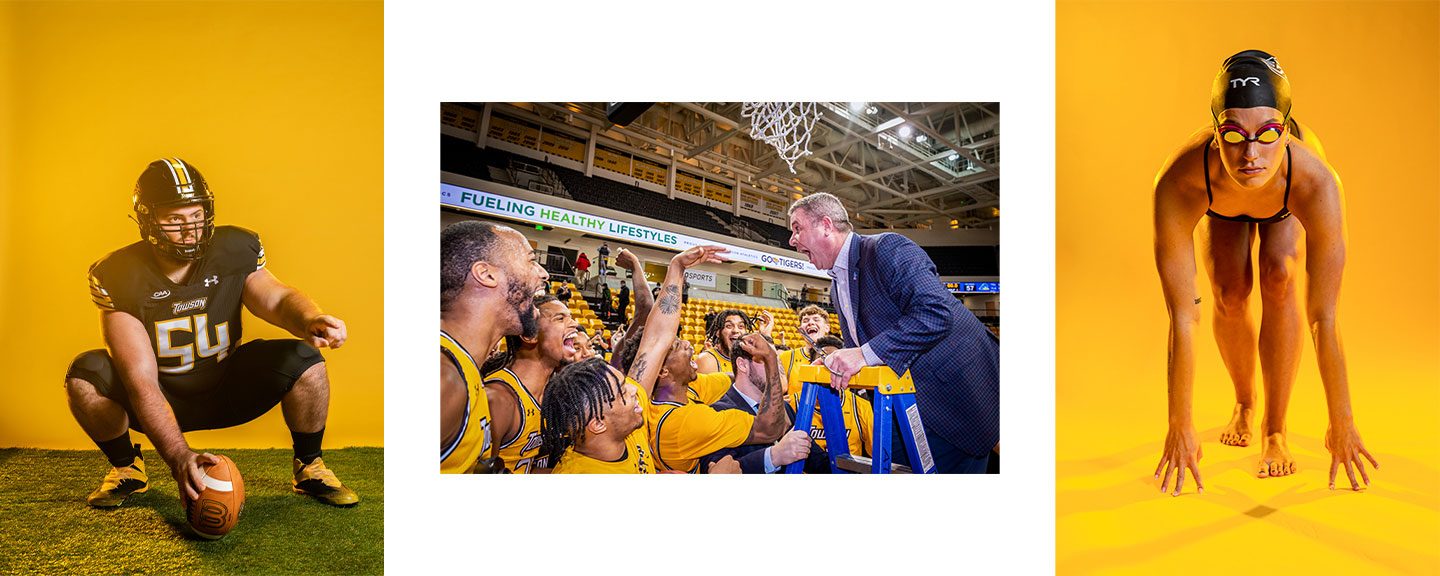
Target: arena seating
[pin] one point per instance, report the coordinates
(462, 157)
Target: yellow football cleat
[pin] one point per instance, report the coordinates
(318, 481)
(120, 483)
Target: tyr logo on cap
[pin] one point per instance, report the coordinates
(1238, 82)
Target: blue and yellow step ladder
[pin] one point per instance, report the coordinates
(894, 398)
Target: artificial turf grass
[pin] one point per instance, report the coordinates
(46, 527)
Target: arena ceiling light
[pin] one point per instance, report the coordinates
(905, 131)
(921, 138)
(858, 107)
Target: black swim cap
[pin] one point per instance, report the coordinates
(1248, 80)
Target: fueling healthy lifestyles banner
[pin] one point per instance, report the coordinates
(496, 205)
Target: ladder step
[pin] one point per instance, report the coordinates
(862, 465)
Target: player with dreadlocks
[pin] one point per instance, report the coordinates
(584, 428)
(721, 330)
(515, 384)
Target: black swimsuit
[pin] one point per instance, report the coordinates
(1281, 215)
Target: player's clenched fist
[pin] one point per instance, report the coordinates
(793, 447)
(325, 331)
(755, 345)
(726, 465)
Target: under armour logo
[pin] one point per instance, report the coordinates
(1238, 82)
(211, 281)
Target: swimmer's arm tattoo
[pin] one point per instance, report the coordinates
(669, 299)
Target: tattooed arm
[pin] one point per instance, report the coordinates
(771, 419)
(665, 317)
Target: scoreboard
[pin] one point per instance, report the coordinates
(973, 287)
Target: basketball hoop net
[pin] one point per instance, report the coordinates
(784, 125)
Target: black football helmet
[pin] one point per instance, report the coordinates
(170, 182)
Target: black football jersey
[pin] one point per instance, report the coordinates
(192, 326)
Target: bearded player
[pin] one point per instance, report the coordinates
(173, 363)
(488, 278)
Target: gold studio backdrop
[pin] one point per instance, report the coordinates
(1132, 82)
(279, 104)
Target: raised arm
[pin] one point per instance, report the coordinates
(665, 317)
(282, 305)
(1323, 216)
(129, 345)
(1175, 218)
(639, 288)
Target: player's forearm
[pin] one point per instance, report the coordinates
(665, 316)
(771, 419)
(295, 312)
(640, 293)
(1180, 369)
(157, 419)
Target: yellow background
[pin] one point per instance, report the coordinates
(1132, 82)
(280, 105)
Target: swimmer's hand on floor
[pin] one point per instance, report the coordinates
(1181, 451)
(1343, 442)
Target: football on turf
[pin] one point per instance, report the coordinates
(217, 510)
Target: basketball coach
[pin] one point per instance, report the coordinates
(895, 311)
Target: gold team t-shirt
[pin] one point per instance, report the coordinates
(708, 389)
(683, 433)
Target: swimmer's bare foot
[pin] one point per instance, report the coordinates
(1275, 457)
(1237, 432)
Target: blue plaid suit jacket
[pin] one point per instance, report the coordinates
(913, 323)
